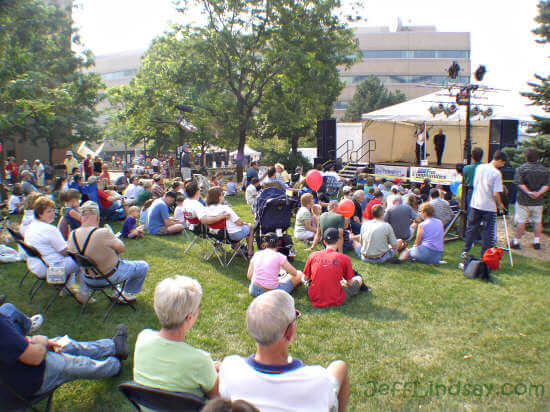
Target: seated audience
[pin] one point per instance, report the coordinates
(236, 228)
(333, 279)
(272, 380)
(224, 405)
(15, 203)
(145, 194)
(194, 211)
(316, 211)
(159, 221)
(303, 227)
(385, 188)
(157, 190)
(28, 213)
(376, 235)
(282, 173)
(71, 211)
(377, 200)
(251, 193)
(231, 187)
(428, 247)
(272, 180)
(265, 267)
(442, 210)
(358, 198)
(26, 186)
(35, 365)
(178, 211)
(105, 178)
(104, 248)
(132, 191)
(130, 229)
(144, 211)
(390, 199)
(425, 190)
(334, 219)
(403, 219)
(110, 203)
(123, 181)
(163, 359)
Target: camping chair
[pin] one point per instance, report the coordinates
(195, 233)
(218, 237)
(159, 399)
(333, 186)
(452, 236)
(32, 252)
(18, 237)
(92, 272)
(18, 402)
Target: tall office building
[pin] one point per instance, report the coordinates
(406, 59)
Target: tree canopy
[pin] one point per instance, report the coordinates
(370, 95)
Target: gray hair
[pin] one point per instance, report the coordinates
(357, 194)
(89, 208)
(175, 298)
(269, 315)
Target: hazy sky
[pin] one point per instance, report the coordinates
(500, 30)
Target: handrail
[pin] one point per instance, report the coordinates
(346, 153)
(368, 152)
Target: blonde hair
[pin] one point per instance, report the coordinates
(133, 209)
(30, 200)
(306, 198)
(427, 208)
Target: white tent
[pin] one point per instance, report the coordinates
(393, 127)
(254, 155)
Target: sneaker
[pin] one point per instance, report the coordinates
(464, 255)
(364, 288)
(536, 246)
(516, 246)
(395, 260)
(128, 297)
(36, 322)
(121, 342)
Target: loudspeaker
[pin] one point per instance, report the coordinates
(502, 133)
(326, 139)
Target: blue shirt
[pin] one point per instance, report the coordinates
(25, 379)
(158, 212)
(231, 188)
(129, 225)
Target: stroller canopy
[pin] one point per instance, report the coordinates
(273, 210)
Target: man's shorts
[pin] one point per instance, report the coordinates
(163, 230)
(243, 232)
(524, 214)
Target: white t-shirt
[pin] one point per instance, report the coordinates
(390, 199)
(251, 194)
(216, 210)
(178, 213)
(14, 203)
(487, 182)
(28, 218)
(155, 162)
(193, 209)
(132, 191)
(49, 242)
(292, 387)
(420, 138)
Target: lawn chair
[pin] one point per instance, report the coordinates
(159, 399)
(218, 237)
(32, 252)
(448, 237)
(195, 234)
(18, 237)
(92, 272)
(19, 403)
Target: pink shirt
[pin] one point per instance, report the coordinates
(267, 265)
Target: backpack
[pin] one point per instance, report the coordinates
(476, 269)
(492, 257)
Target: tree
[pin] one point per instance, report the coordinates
(541, 89)
(371, 95)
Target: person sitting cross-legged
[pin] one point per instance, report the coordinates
(103, 247)
(428, 247)
(163, 359)
(403, 220)
(376, 235)
(35, 365)
(272, 380)
(159, 221)
(333, 279)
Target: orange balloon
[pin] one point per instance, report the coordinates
(346, 208)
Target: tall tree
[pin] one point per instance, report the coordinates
(541, 89)
(371, 95)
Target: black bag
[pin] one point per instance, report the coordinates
(476, 269)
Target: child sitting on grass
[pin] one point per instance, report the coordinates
(316, 212)
(130, 230)
(178, 212)
(15, 204)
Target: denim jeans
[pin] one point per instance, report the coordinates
(384, 258)
(79, 360)
(426, 255)
(131, 271)
(476, 218)
(18, 318)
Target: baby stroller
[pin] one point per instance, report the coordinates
(273, 214)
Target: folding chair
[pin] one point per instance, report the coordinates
(159, 399)
(92, 272)
(18, 237)
(448, 237)
(218, 237)
(32, 252)
(195, 234)
(18, 403)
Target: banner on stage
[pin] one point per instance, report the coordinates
(388, 170)
(418, 174)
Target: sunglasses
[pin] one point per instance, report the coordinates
(298, 314)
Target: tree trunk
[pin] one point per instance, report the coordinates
(50, 151)
(3, 189)
(294, 145)
(240, 152)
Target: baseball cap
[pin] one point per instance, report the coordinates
(346, 189)
(331, 234)
(397, 181)
(395, 187)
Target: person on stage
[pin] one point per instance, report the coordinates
(421, 137)
(439, 143)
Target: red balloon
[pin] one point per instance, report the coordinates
(346, 208)
(314, 179)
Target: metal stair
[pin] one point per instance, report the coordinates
(349, 171)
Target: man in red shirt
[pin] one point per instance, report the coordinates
(333, 279)
(378, 199)
(13, 169)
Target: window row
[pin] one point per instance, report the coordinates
(391, 79)
(416, 54)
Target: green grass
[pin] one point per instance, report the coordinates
(421, 324)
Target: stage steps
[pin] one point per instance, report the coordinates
(349, 171)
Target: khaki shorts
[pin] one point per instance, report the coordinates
(524, 214)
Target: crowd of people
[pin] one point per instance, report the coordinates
(390, 222)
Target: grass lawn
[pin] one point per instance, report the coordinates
(422, 332)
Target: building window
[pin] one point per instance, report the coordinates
(119, 75)
(416, 54)
(393, 79)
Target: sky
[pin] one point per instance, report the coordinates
(501, 36)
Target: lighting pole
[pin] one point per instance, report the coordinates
(464, 98)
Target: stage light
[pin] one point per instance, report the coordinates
(187, 126)
(487, 113)
(474, 111)
(450, 109)
(434, 110)
(480, 72)
(453, 70)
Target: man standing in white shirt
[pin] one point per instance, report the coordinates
(272, 380)
(485, 202)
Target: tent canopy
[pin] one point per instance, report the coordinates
(506, 105)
